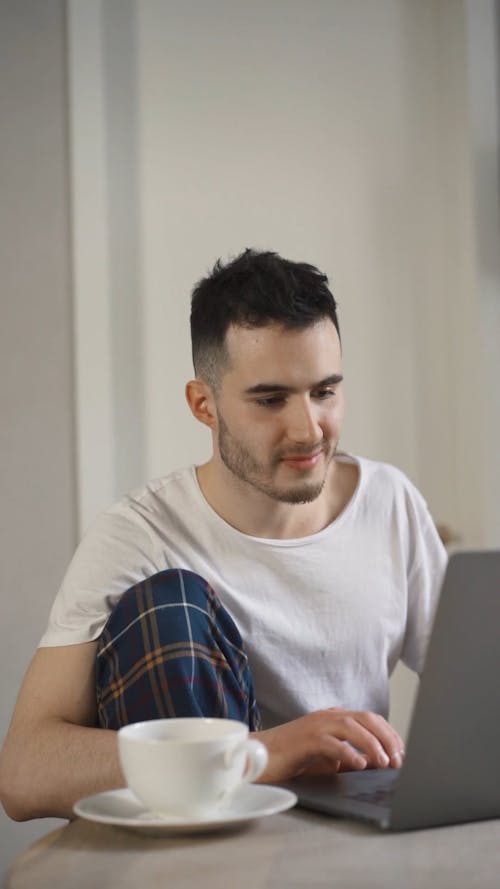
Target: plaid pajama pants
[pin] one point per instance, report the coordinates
(169, 648)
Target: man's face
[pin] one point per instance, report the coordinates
(280, 408)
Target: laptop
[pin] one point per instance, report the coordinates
(451, 771)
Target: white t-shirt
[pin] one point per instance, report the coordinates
(323, 618)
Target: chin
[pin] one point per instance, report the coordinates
(304, 494)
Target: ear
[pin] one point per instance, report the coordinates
(201, 402)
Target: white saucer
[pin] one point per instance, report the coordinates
(121, 808)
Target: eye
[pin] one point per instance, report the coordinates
(323, 393)
(271, 401)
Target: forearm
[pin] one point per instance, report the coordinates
(60, 763)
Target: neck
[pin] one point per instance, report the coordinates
(252, 512)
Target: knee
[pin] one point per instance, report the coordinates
(178, 586)
(160, 603)
(171, 587)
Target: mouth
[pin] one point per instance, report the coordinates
(303, 461)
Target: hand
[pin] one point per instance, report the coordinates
(330, 741)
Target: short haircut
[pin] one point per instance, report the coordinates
(255, 289)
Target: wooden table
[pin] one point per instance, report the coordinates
(296, 849)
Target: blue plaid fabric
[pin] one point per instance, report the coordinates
(169, 648)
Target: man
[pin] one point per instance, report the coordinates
(278, 583)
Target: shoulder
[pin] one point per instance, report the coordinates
(136, 526)
(387, 490)
(156, 496)
(164, 488)
(390, 497)
(378, 477)
(123, 545)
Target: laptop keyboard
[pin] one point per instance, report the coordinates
(381, 796)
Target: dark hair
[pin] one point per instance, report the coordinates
(253, 290)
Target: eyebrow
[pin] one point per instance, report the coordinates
(261, 388)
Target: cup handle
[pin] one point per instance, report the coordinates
(257, 759)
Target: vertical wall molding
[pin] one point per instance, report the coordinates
(124, 241)
(105, 245)
(90, 254)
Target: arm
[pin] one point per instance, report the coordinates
(53, 753)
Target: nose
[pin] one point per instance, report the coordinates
(303, 425)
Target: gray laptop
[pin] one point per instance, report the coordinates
(451, 771)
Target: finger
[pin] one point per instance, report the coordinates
(390, 741)
(322, 766)
(388, 737)
(347, 726)
(342, 755)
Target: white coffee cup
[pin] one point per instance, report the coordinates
(190, 767)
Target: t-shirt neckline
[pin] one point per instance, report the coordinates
(288, 541)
